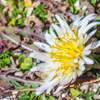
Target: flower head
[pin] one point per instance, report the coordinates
(66, 52)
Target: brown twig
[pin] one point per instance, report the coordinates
(19, 90)
(23, 46)
(84, 83)
(20, 80)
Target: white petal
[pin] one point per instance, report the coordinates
(81, 62)
(62, 23)
(76, 22)
(38, 93)
(88, 46)
(41, 56)
(29, 12)
(87, 37)
(43, 46)
(79, 73)
(77, 3)
(86, 18)
(80, 31)
(46, 85)
(90, 26)
(58, 30)
(49, 89)
(82, 67)
(95, 45)
(31, 55)
(86, 52)
(52, 32)
(34, 69)
(49, 38)
(74, 75)
(75, 60)
(58, 89)
(50, 76)
(88, 60)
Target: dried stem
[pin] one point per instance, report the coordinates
(25, 47)
(20, 80)
(84, 83)
(12, 60)
(19, 90)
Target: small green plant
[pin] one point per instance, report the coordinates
(27, 64)
(39, 12)
(5, 59)
(71, 2)
(93, 2)
(74, 9)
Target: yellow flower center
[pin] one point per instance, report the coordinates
(66, 51)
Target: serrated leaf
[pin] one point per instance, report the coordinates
(74, 92)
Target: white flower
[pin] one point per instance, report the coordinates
(65, 54)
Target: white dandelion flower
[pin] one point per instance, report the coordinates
(65, 54)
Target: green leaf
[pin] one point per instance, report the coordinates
(15, 83)
(10, 1)
(25, 97)
(87, 94)
(14, 6)
(83, 4)
(71, 2)
(7, 60)
(1, 8)
(7, 79)
(18, 11)
(86, 12)
(51, 98)
(2, 64)
(27, 92)
(12, 22)
(42, 97)
(21, 4)
(97, 57)
(34, 85)
(74, 10)
(93, 1)
(89, 98)
(25, 66)
(74, 92)
(98, 33)
(28, 60)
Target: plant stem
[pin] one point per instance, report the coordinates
(25, 47)
(20, 80)
(19, 90)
